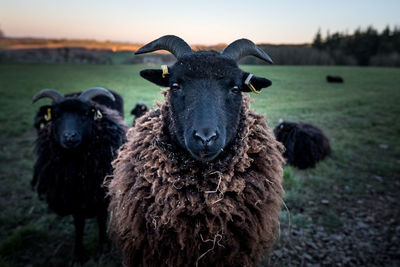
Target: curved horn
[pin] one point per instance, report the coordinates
(50, 93)
(171, 43)
(244, 47)
(93, 92)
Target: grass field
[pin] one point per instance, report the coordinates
(361, 117)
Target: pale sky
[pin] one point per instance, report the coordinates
(197, 22)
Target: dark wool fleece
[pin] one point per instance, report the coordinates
(169, 210)
(304, 143)
(71, 182)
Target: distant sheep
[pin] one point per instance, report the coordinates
(199, 181)
(334, 79)
(74, 150)
(139, 110)
(305, 144)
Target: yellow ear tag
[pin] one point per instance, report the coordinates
(248, 83)
(47, 116)
(164, 70)
(253, 89)
(99, 115)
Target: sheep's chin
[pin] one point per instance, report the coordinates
(70, 146)
(202, 154)
(204, 157)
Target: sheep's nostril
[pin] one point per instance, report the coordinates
(70, 136)
(205, 136)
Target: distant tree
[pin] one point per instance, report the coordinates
(1, 34)
(317, 42)
(362, 45)
(385, 42)
(396, 39)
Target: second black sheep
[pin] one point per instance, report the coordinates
(74, 150)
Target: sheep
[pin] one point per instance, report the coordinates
(334, 79)
(305, 144)
(118, 105)
(74, 150)
(139, 110)
(199, 181)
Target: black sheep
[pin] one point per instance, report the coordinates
(334, 79)
(74, 151)
(139, 110)
(198, 182)
(305, 144)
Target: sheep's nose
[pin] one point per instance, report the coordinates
(70, 136)
(206, 136)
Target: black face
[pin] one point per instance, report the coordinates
(72, 122)
(139, 110)
(206, 96)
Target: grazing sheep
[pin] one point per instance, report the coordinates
(74, 151)
(305, 144)
(334, 79)
(139, 110)
(199, 180)
(118, 105)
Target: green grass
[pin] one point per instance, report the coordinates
(359, 117)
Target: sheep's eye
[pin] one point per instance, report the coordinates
(175, 86)
(235, 89)
(90, 112)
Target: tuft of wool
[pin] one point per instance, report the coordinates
(169, 210)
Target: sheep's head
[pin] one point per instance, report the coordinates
(205, 92)
(72, 117)
(283, 129)
(140, 109)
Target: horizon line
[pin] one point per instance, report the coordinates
(138, 43)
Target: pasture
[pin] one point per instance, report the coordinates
(343, 211)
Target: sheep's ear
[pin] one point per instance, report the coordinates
(258, 83)
(156, 76)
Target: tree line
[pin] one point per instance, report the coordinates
(363, 47)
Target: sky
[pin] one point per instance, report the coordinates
(197, 22)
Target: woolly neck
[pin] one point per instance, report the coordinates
(172, 161)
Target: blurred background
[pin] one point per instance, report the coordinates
(343, 212)
(294, 33)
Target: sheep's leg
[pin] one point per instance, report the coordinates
(101, 221)
(79, 222)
